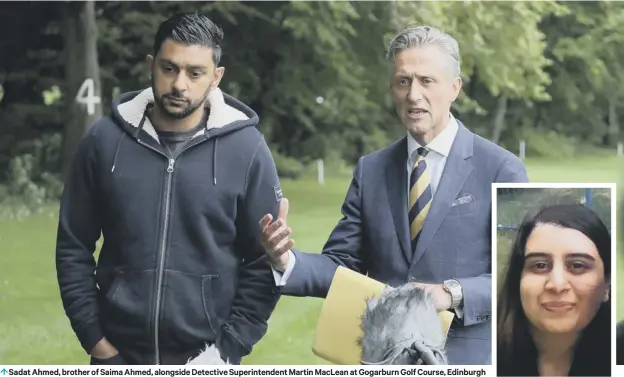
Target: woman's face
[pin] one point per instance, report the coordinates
(563, 282)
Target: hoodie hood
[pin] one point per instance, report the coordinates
(227, 114)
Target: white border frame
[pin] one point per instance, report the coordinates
(494, 218)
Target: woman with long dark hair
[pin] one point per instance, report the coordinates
(554, 307)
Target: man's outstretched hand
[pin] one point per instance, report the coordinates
(275, 237)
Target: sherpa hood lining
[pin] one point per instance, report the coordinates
(134, 113)
(221, 113)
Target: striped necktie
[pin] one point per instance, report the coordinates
(419, 196)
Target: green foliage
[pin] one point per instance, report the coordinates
(29, 183)
(587, 47)
(24, 195)
(600, 23)
(315, 71)
(541, 143)
(288, 167)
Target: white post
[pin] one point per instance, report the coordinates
(522, 149)
(321, 171)
(620, 149)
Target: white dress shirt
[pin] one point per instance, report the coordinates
(438, 148)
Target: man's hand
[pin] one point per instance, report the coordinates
(104, 350)
(275, 237)
(443, 299)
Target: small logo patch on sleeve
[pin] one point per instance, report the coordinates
(278, 193)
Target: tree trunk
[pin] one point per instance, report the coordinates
(614, 124)
(82, 91)
(499, 118)
(539, 114)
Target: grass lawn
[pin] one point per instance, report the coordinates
(34, 329)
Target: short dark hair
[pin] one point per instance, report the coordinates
(191, 29)
(517, 354)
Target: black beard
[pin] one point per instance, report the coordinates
(158, 100)
(179, 114)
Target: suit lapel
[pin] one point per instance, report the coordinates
(456, 171)
(396, 184)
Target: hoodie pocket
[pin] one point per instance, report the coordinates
(127, 310)
(188, 309)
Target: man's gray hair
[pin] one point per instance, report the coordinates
(419, 36)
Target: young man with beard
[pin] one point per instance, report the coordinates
(175, 180)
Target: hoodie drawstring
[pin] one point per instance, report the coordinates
(136, 136)
(117, 151)
(214, 161)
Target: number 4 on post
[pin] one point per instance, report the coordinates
(89, 98)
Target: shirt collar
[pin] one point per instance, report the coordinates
(441, 144)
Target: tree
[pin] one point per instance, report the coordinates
(82, 75)
(595, 49)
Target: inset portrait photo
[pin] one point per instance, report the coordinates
(554, 247)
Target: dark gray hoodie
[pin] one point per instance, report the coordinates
(181, 264)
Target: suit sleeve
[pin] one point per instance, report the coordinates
(256, 295)
(477, 291)
(312, 274)
(78, 231)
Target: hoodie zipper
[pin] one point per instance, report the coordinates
(163, 245)
(161, 262)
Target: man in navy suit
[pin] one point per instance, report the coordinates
(418, 210)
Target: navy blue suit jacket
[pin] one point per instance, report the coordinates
(373, 235)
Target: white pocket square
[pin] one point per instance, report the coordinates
(464, 199)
